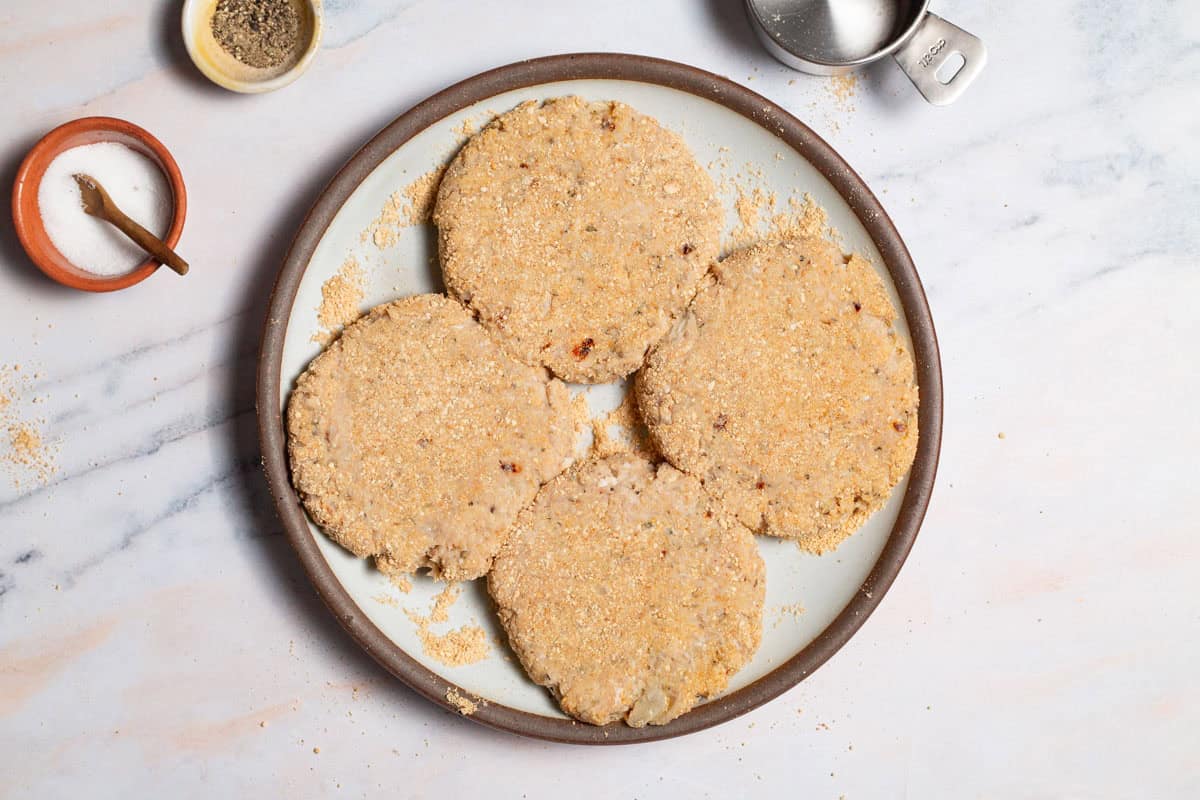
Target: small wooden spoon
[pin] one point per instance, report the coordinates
(97, 203)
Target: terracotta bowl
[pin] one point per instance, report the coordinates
(27, 216)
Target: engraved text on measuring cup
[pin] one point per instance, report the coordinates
(934, 49)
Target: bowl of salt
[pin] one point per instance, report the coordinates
(79, 250)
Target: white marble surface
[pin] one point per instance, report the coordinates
(1043, 639)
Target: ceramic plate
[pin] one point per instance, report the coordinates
(729, 128)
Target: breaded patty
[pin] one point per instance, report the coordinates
(788, 391)
(576, 232)
(415, 439)
(626, 594)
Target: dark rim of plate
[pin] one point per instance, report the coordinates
(795, 135)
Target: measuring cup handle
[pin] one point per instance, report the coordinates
(933, 44)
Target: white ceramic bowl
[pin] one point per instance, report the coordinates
(224, 70)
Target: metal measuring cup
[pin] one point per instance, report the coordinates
(831, 37)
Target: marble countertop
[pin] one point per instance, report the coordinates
(157, 635)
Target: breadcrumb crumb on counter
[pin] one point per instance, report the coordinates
(24, 452)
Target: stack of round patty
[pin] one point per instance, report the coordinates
(581, 239)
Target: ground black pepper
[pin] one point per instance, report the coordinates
(258, 33)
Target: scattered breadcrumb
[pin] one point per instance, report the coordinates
(443, 601)
(835, 102)
(398, 579)
(749, 207)
(412, 205)
(471, 126)
(459, 647)
(422, 194)
(26, 443)
(386, 599)
(385, 230)
(759, 218)
(465, 705)
(28, 454)
(805, 219)
(791, 610)
(341, 296)
(465, 645)
(843, 88)
(582, 415)
(467, 128)
(761, 215)
(622, 430)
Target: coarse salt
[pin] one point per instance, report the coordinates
(136, 185)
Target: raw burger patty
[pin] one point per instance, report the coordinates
(576, 232)
(623, 592)
(788, 391)
(414, 439)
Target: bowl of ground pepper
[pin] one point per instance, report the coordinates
(252, 46)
